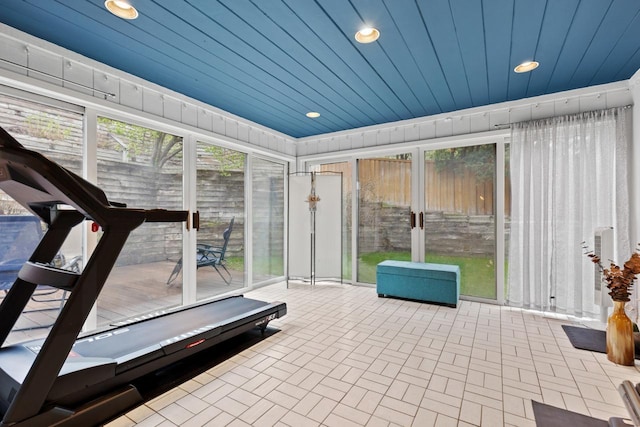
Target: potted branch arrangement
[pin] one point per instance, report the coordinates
(619, 280)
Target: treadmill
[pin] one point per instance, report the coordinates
(64, 380)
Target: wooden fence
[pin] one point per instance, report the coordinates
(452, 191)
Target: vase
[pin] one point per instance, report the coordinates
(620, 343)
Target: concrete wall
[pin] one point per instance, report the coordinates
(385, 228)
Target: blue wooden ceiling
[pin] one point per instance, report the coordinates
(271, 61)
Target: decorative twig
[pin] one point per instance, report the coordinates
(619, 280)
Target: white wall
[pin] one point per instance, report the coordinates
(472, 121)
(634, 205)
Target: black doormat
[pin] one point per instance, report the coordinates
(590, 339)
(550, 416)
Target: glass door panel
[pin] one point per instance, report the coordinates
(142, 168)
(459, 217)
(58, 134)
(268, 219)
(220, 194)
(384, 207)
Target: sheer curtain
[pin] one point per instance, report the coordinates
(568, 176)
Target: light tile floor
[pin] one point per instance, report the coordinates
(345, 357)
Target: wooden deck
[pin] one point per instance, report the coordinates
(130, 291)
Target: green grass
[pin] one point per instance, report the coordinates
(477, 274)
(235, 263)
(260, 266)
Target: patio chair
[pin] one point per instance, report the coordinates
(208, 255)
(19, 236)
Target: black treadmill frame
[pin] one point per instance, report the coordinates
(42, 186)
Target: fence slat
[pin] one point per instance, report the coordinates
(389, 181)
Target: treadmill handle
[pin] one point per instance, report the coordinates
(163, 215)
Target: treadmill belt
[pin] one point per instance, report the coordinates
(131, 339)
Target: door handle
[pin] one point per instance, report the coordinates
(421, 220)
(196, 220)
(412, 219)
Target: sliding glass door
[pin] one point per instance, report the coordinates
(142, 168)
(458, 214)
(384, 212)
(220, 202)
(429, 205)
(267, 219)
(55, 130)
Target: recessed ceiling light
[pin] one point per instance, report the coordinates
(367, 35)
(526, 66)
(121, 8)
(313, 114)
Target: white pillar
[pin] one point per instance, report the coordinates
(634, 178)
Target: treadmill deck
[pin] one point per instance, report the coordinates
(105, 356)
(161, 331)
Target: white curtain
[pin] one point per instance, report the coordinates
(568, 176)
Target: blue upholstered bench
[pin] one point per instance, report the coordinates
(438, 283)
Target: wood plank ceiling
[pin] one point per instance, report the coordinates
(271, 61)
